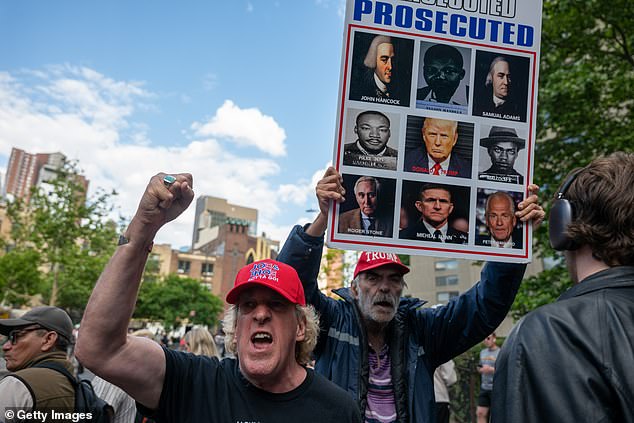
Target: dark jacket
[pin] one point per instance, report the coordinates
(517, 236)
(419, 339)
(572, 360)
(353, 156)
(483, 105)
(416, 160)
(419, 231)
(495, 174)
(350, 222)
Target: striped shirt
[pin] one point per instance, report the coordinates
(381, 407)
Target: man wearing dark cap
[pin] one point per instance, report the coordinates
(443, 71)
(268, 327)
(503, 146)
(383, 348)
(40, 336)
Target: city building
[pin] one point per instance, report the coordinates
(26, 170)
(212, 212)
(437, 280)
(216, 262)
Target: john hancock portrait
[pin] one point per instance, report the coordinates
(381, 69)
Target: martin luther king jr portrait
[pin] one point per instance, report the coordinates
(371, 141)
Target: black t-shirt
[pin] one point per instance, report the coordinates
(200, 389)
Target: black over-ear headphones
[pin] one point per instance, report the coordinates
(561, 215)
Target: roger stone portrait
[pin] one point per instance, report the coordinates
(371, 210)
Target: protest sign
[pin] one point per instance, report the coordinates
(436, 127)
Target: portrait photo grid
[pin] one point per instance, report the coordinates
(428, 130)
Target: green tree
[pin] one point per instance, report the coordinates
(585, 108)
(70, 237)
(20, 278)
(174, 299)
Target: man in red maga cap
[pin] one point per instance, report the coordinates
(268, 327)
(382, 348)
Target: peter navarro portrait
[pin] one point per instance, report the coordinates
(381, 69)
(371, 137)
(501, 86)
(497, 226)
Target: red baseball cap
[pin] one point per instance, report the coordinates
(370, 260)
(272, 274)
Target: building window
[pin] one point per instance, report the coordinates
(207, 269)
(445, 296)
(443, 265)
(183, 266)
(446, 280)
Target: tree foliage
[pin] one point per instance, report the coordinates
(20, 278)
(173, 299)
(68, 238)
(586, 107)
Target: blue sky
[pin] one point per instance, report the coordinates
(242, 94)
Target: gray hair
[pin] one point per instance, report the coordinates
(372, 179)
(494, 62)
(370, 57)
(500, 194)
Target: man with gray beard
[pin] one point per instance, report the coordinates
(383, 348)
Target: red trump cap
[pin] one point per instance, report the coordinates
(272, 274)
(370, 260)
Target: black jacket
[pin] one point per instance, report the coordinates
(573, 360)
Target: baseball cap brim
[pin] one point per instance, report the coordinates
(234, 295)
(399, 266)
(7, 325)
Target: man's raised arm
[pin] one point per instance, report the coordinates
(137, 365)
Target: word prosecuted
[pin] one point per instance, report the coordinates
(455, 24)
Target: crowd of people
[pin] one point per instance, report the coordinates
(372, 354)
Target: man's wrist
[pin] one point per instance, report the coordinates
(138, 235)
(319, 225)
(124, 240)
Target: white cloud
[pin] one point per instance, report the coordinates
(247, 127)
(91, 118)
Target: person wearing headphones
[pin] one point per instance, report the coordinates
(571, 361)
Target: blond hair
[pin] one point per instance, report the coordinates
(303, 349)
(200, 342)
